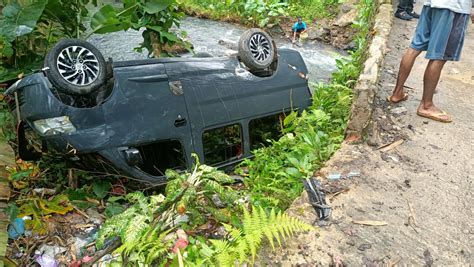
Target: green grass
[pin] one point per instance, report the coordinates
(313, 10)
(260, 12)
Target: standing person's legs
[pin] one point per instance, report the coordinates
(410, 10)
(405, 68)
(430, 81)
(403, 5)
(441, 33)
(410, 7)
(403, 8)
(419, 43)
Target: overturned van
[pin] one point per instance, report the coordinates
(146, 116)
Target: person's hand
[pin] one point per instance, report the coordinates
(472, 18)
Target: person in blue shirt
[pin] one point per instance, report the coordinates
(298, 28)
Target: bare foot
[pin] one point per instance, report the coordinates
(434, 113)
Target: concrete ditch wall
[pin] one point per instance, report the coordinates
(365, 89)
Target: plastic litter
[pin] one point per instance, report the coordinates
(50, 251)
(16, 228)
(46, 261)
(334, 176)
(353, 174)
(337, 176)
(182, 241)
(317, 198)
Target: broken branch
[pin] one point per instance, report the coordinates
(387, 147)
(101, 253)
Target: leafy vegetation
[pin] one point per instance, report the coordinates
(156, 17)
(260, 13)
(28, 29)
(311, 10)
(246, 240)
(6, 125)
(274, 175)
(251, 12)
(145, 227)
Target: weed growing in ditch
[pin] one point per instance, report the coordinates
(245, 240)
(261, 12)
(251, 12)
(310, 10)
(274, 176)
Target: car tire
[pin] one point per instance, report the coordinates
(256, 49)
(75, 67)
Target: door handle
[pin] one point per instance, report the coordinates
(180, 121)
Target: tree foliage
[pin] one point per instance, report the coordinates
(29, 28)
(155, 16)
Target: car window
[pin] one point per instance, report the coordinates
(265, 128)
(162, 155)
(222, 144)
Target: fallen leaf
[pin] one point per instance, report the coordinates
(370, 223)
(59, 204)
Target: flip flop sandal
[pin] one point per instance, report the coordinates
(436, 116)
(405, 97)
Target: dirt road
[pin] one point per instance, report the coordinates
(422, 189)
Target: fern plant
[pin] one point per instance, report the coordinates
(198, 200)
(139, 241)
(142, 227)
(243, 244)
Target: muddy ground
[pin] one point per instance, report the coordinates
(422, 189)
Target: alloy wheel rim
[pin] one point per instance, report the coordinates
(259, 47)
(78, 65)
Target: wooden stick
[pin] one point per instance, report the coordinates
(338, 192)
(412, 214)
(387, 147)
(81, 212)
(72, 180)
